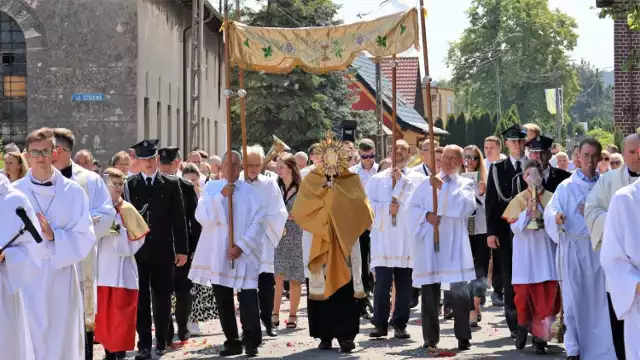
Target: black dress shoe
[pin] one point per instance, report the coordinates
(401, 334)
(271, 331)
(325, 345)
(448, 313)
(231, 351)
(251, 351)
(160, 351)
(464, 345)
(143, 354)
(539, 348)
(120, 355)
(521, 338)
(431, 345)
(184, 334)
(346, 346)
(109, 355)
(573, 357)
(377, 333)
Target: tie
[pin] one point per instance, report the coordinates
(149, 184)
(518, 167)
(48, 183)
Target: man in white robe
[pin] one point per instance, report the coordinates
(228, 268)
(19, 265)
(595, 212)
(620, 257)
(453, 263)
(391, 244)
(273, 214)
(586, 314)
(53, 303)
(102, 214)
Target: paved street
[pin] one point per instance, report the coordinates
(491, 340)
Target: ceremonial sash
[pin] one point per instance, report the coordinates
(87, 266)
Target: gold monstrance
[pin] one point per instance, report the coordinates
(334, 160)
(538, 222)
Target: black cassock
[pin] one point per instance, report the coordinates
(556, 176)
(502, 185)
(162, 206)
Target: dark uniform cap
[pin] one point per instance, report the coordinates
(168, 154)
(146, 149)
(515, 132)
(540, 143)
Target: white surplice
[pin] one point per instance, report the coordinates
(454, 262)
(116, 263)
(20, 266)
(390, 245)
(307, 237)
(53, 302)
(585, 305)
(534, 254)
(210, 263)
(273, 215)
(620, 257)
(595, 208)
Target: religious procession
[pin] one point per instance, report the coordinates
(422, 245)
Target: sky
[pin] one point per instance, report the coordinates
(447, 19)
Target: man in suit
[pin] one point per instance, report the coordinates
(540, 149)
(158, 198)
(504, 182)
(169, 163)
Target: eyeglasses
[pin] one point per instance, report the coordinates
(117, 185)
(472, 157)
(44, 153)
(368, 156)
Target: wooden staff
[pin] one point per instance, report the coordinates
(227, 81)
(243, 114)
(394, 114)
(426, 96)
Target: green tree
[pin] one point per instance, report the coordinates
(526, 44)
(439, 123)
(456, 126)
(297, 107)
(595, 102)
(470, 133)
(509, 119)
(604, 137)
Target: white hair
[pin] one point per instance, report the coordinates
(257, 150)
(303, 154)
(234, 153)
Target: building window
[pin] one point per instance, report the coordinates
(13, 75)
(169, 126)
(208, 134)
(215, 137)
(159, 121)
(147, 125)
(178, 127)
(449, 106)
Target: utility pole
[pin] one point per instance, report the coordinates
(559, 113)
(197, 40)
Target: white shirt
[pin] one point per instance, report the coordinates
(364, 174)
(145, 177)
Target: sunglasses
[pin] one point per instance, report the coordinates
(472, 157)
(606, 159)
(368, 156)
(616, 162)
(44, 153)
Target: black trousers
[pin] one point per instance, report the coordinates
(249, 317)
(88, 345)
(266, 292)
(385, 276)
(505, 259)
(154, 285)
(617, 331)
(481, 257)
(460, 304)
(184, 302)
(496, 277)
(365, 254)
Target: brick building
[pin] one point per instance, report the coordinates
(626, 93)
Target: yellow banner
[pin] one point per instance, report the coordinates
(320, 49)
(550, 96)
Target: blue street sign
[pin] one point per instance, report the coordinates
(87, 97)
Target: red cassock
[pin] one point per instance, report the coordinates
(537, 304)
(116, 318)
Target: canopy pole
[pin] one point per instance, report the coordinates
(242, 93)
(426, 95)
(227, 82)
(394, 118)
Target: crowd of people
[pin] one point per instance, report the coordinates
(146, 241)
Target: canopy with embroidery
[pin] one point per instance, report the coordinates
(320, 49)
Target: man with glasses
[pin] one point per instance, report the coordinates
(159, 200)
(55, 298)
(426, 148)
(102, 214)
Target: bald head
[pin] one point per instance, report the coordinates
(630, 152)
(451, 159)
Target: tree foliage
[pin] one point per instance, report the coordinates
(594, 105)
(605, 138)
(526, 44)
(298, 107)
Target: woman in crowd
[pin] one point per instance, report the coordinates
(604, 164)
(204, 307)
(616, 161)
(288, 261)
(474, 165)
(15, 166)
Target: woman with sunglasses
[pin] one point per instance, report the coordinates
(474, 163)
(604, 164)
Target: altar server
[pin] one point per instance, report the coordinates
(595, 211)
(586, 315)
(620, 257)
(19, 265)
(53, 303)
(273, 215)
(391, 257)
(534, 279)
(102, 214)
(212, 262)
(118, 273)
(453, 263)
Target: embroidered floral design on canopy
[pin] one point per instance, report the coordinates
(320, 49)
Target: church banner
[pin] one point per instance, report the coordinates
(320, 49)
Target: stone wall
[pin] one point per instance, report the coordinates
(627, 84)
